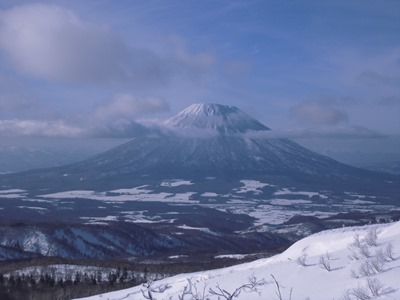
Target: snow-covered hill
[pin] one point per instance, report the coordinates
(343, 264)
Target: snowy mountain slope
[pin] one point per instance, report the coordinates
(346, 263)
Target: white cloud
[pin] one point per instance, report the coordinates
(128, 106)
(115, 119)
(319, 112)
(69, 129)
(123, 128)
(52, 42)
(118, 129)
(324, 132)
(38, 128)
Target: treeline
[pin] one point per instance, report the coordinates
(48, 286)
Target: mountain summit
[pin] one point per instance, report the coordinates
(223, 118)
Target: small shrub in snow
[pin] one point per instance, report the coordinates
(389, 253)
(325, 262)
(372, 289)
(366, 269)
(372, 237)
(364, 250)
(361, 293)
(378, 263)
(353, 254)
(356, 241)
(375, 286)
(381, 255)
(359, 249)
(302, 260)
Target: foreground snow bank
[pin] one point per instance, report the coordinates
(342, 264)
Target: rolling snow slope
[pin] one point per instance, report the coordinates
(351, 275)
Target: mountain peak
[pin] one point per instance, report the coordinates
(222, 118)
(210, 109)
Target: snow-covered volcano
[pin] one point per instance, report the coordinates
(201, 141)
(212, 140)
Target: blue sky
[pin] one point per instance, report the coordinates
(320, 69)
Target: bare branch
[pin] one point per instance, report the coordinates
(278, 289)
(251, 286)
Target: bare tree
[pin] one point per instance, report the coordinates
(358, 248)
(364, 250)
(325, 261)
(372, 289)
(378, 263)
(361, 293)
(251, 286)
(302, 260)
(389, 251)
(381, 255)
(375, 286)
(366, 269)
(357, 241)
(278, 289)
(353, 253)
(372, 237)
(346, 295)
(193, 291)
(150, 290)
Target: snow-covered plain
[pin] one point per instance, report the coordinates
(271, 211)
(176, 182)
(299, 271)
(266, 203)
(253, 186)
(134, 194)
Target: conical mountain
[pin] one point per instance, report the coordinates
(203, 140)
